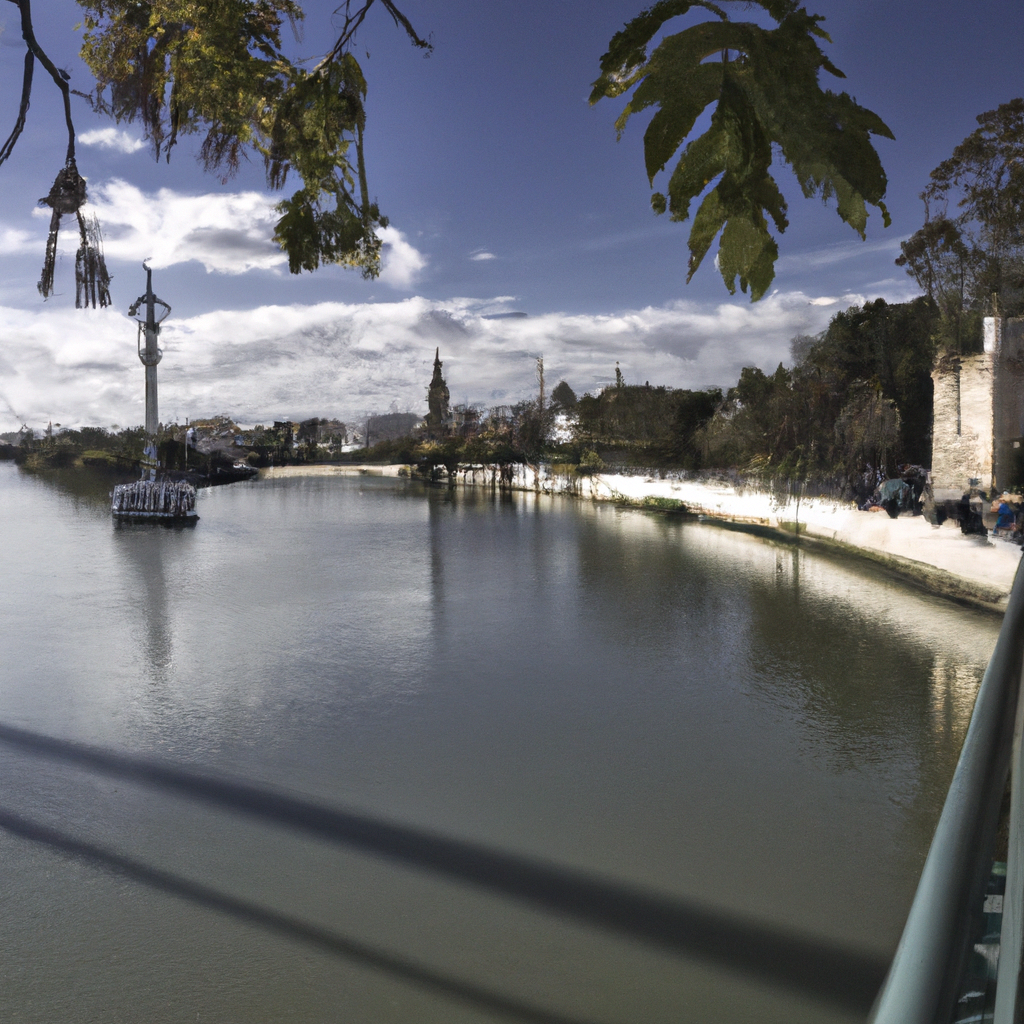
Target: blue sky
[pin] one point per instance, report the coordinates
(506, 191)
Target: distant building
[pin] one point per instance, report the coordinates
(978, 415)
(439, 416)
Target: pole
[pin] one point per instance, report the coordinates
(151, 358)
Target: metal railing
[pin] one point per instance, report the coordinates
(922, 984)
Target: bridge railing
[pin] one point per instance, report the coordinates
(923, 981)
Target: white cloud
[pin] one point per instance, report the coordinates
(112, 138)
(342, 359)
(829, 300)
(483, 256)
(14, 241)
(228, 233)
(401, 262)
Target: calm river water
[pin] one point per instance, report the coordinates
(691, 710)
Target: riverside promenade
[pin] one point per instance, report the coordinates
(973, 569)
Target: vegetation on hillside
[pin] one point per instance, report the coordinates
(858, 398)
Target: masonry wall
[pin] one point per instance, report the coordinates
(962, 424)
(978, 414)
(1008, 404)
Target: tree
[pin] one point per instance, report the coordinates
(971, 246)
(860, 393)
(218, 70)
(563, 398)
(694, 409)
(763, 84)
(890, 349)
(950, 270)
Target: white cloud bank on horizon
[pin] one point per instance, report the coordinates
(276, 362)
(228, 233)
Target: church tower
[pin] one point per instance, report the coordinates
(439, 415)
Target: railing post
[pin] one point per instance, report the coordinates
(1008, 978)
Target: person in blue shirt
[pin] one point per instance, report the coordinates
(1006, 519)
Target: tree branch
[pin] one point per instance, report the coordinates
(59, 77)
(26, 92)
(353, 21)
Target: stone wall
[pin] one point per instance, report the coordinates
(1008, 392)
(962, 425)
(978, 414)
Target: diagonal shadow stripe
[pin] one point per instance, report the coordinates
(845, 978)
(282, 924)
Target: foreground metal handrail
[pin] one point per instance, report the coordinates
(921, 987)
(1009, 987)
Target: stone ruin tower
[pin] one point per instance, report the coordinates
(439, 416)
(978, 415)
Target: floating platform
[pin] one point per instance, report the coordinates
(155, 500)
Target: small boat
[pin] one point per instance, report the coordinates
(163, 500)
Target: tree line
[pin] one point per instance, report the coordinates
(856, 399)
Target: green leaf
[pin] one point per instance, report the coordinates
(710, 218)
(748, 252)
(764, 89)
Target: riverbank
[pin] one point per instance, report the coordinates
(971, 569)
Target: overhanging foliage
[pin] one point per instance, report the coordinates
(219, 71)
(763, 87)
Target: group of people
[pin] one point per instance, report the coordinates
(894, 494)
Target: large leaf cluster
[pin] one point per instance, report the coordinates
(762, 86)
(218, 70)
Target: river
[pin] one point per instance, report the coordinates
(687, 709)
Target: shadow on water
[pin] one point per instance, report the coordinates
(809, 966)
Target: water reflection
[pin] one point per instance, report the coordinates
(954, 685)
(693, 711)
(141, 547)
